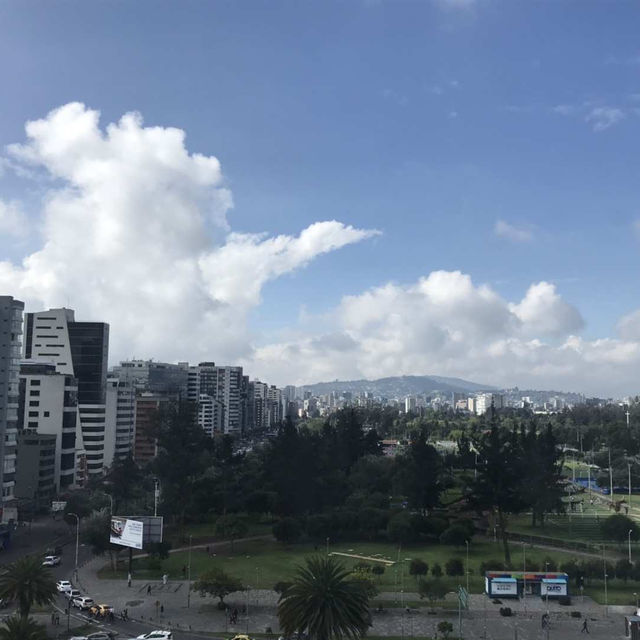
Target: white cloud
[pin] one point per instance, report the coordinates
(135, 233)
(457, 4)
(602, 118)
(511, 232)
(13, 221)
(445, 324)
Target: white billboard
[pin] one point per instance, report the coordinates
(504, 588)
(553, 589)
(125, 532)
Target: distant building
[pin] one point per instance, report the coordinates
(485, 400)
(410, 404)
(35, 475)
(145, 445)
(156, 377)
(120, 420)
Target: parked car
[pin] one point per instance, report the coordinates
(51, 561)
(101, 609)
(73, 593)
(63, 586)
(102, 635)
(156, 635)
(82, 602)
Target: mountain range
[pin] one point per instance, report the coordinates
(399, 386)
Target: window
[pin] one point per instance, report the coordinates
(46, 414)
(35, 383)
(33, 414)
(32, 425)
(34, 392)
(34, 403)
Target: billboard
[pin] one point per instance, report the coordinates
(553, 589)
(152, 528)
(126, 532)
(58, 506)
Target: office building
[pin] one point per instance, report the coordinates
(78, 349)
(484, 401)
(145, 444)
(120, 420)
(36, 471)
(10, 336)
(48, 405)
(155, 377)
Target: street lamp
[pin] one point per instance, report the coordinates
(75, 515)
(467, 543)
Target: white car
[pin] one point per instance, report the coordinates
(51, 561)
(72, 594)
(156, 635)
(82, 602)
(63, 586)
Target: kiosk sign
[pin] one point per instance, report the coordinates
(125, 532)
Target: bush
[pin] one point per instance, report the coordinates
(455, 535)
(281, 587)
(505, 611)
(445, 628)
(617, 528)
(418, 567)
(454, 567)
(570, 568)
(362, 566)
(436, 571)
(400, 528)
(377, 569)
(287, 530)
(431, 589)
(624, 569)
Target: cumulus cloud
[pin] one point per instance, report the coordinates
(602, 118)
(445, 324)
(135, 233)
(516, 234)
(13, 221)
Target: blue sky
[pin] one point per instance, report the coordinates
(437, 122)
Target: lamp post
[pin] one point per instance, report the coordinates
(75, 515)
(189, 575)
(629, 537)
(467, 543)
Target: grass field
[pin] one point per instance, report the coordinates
(262, 563)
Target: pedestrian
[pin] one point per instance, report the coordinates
(585, 626)
(161, 609)
(165, 577)
(184, 571)
(57, 619)
(128, 579)
(148, 589)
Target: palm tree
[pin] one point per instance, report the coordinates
(324, 601)
(28, 582)
(22, 629)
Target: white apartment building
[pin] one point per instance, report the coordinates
(49, 406)
(484, 400)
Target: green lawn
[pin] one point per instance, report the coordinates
(206, 531)
(262, 563)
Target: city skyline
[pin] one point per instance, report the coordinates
(399, 198)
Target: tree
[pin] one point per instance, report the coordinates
(418, 567)
(287, 530)
(436, 571)
(232, 527)
(28, 582)
(455, 535)
(498, 485)
(325, 602)
(400, 528)
(445, 628)
(454, 567)
(617, 528)
(431, 589)
(218, 584)
(19, 628)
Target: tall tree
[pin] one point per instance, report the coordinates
(324, 601)
(19, 628)
(27, 582)
(498, 484)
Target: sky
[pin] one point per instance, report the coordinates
(324, 190)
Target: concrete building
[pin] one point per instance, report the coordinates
(120, 420)
(10, 336)
(78, 349)
(155, 377)
(410, 404)
(145, 445)
(484, 401)
(48, 405)
(36, 471)
(210, 414)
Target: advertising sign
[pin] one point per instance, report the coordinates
(58, 506)
(553, 589)
(505, 588)
(152, 528)
(125, 532)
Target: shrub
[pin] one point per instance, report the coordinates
(624, 569)
(362, 566)
(418, 567)
(445, 628)
(377, 569)
(431, 589)
(455, 535)
(454, 567)
(617, 528)
(436, 571)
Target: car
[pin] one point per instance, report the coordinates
(63, 585)
(51, 561)
(156, 635)
(72, 593)
(102, 635)
(78, 638)
(241, 636)
(101, 609)
(82, 602)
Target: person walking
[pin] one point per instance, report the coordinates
(165, 577)
(585, 626)
(128, 579)
(148, 589)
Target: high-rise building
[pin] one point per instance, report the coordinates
(156, 377)
(10, 335)
(485, 400)
(78, 349)
(36, 471)
(146, 445)
(120, 420)
(49, 406)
